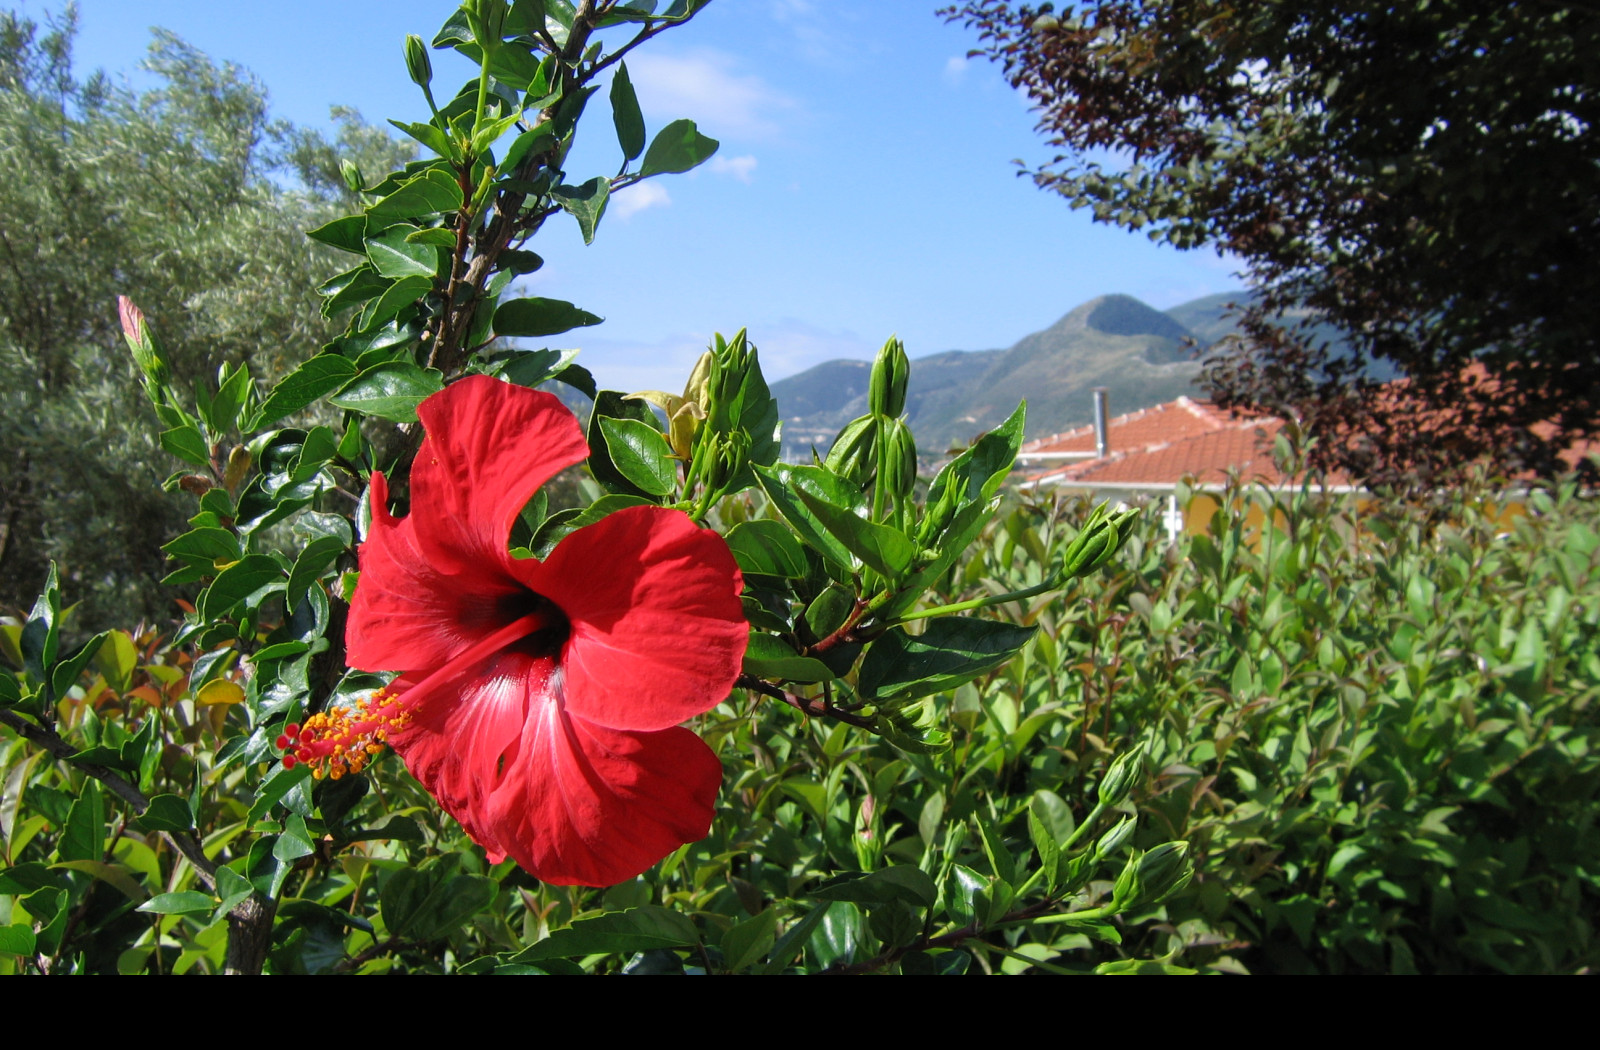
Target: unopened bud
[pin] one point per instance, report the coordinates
(350, 171)
(238, 466)
(730, 363)
(1124, 773)
(899, 460)
(1116, 838)
(1149, 877)
(854, 451)
(1099, 541)
(728, 453)
(886, 390)
(148, 353)
(417, 62)
(941, 507)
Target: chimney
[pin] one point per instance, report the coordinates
(1101, 444)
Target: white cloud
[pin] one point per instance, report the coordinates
(706, 88)
(636, 198)
(955, 69)
(739, 167)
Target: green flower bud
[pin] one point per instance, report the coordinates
(350, 171)
(417, 62)
(899, 460)
(886, 390)
(1099, 541)
(148, 353)
(730, 364)
(854, 452)
(726, 455)
(1124, 773)
(941, 507)
(1149, 877)
(1115, 838)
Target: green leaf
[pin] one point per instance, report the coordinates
(677, 148)
(749, 942)
(85, 834)
(237, 582)
(187, 444)
(430, 136)
(609, 404)
(317, 558)
(66, 673)
(540, 317)
(636, 930)
(395, 298)
(390, 391)
(537, 140)
(434, 192)
(352, 288)
(783, 485)
(767, 548)
(184, 902)
(641, 454)
(17, 940)
(586, 203)
(346, 233)
(767, 656)
(625, 114)
(41, 635)
(530, 367)
(314, 379)
(885, 549)
(903, 882)
(167, 813)
(395, 255)
(952, 650)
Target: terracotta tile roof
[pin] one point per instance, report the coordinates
(1167, 422)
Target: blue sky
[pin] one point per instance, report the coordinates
(864, 186)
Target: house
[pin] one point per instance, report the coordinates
(1146, 454)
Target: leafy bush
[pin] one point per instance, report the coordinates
(1378, 736)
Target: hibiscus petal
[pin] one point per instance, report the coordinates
(413, 612)
(469, 728)
(572, 802)
(489, 447)
(589, 806)
(657, 630)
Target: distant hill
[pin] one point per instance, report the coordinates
(1143, 357)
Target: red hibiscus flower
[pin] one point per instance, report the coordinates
(538, 701)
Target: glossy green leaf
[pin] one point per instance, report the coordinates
(625, 114)
(431, 193)
(586, 203)
(346, 233)
(395, 255)
(540, 317)
(395, 298)
(85, 834)
(678, 147)
(642, 455)
(390, 391)
(187, 444)
(767, 548)
(183, 902)
(167, 813)
(902, 882)
(431, 136)
(883, 548)
(783, 485)
(767, 656)
(237, 582)
(635, 930)
(950, 651)
(749, 942)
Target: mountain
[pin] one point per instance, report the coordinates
(1143, 357)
